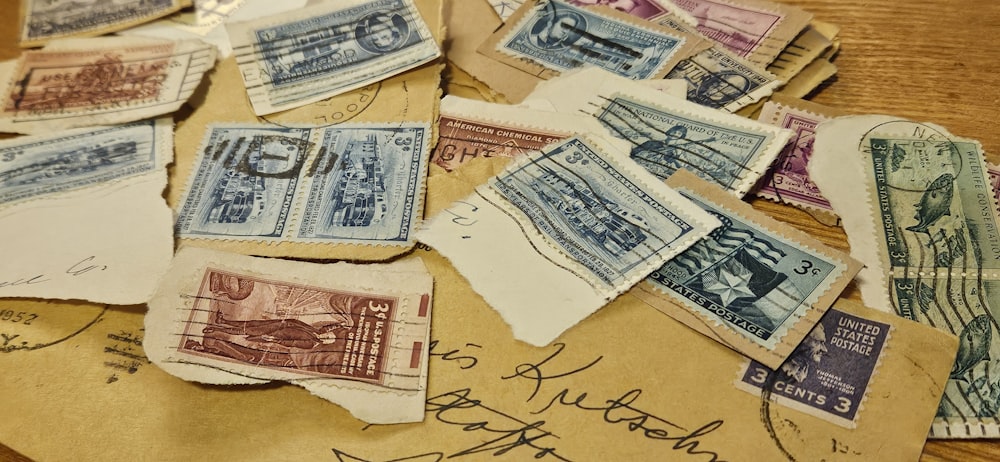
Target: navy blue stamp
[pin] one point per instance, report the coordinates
(591, 210)
(366, 184)
(245, 182)
(718, 80)
(340, 41)
(560, 36)
(51, 165)
(665, 140)
(747, 277)
(52, 19)
(828, 374)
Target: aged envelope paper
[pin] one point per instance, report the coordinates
(919, 211)
(668, 395)
(308, 55)
(44, 20)
(99, 81)
(571, 227)
(82, 214)
(754, 284)
(547, 37)
(356, 335)
(409, 98)
(668, 133)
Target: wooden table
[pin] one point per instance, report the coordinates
(928, 60)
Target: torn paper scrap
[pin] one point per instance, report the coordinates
(561, 232)
(45, 20)
(82, 214)
(308, 55)
(99, 81)
(356, 335)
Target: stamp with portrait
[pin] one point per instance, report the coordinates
(753, 284)
(929, 233)
(547, 37)
(40, 166)
(46, 20)
(100, 82)
(718, 78)
(728, 151)
(788, 179)
(829, 374)
(343, 184)
(312, 54)
(757, 30)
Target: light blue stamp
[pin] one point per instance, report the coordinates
(560, 36)
(594, 211)
(366, 184)
(748, 277)
(244, 183)
(38, 166)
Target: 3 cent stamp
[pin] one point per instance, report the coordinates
(463, 140)
(829, 374)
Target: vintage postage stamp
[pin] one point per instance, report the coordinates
(471, 129)
(829, 374)
(346, 184)
(719, 79)
(100, 82)
(756, 285)
(45, 20)
(365, 185)
(728, 151)
(571, 226)
(228, 318)
(929, 236)
(546, 37)
(312, 54)
(994, 173)
(754, 29)
(55, 164)
(584, 205)
(788, 179)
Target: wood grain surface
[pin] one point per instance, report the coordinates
(928, 60)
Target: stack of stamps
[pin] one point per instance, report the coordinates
(928, 233)
(347, 333)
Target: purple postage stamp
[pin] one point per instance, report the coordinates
(740, 29)
(828, 375)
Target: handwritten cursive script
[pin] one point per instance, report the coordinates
(77, 269)
(614, 411)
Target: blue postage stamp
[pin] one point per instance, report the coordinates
(37, 166)
(313, 48)
(560, 36)
(591, 210)
(664, 140)
(312, 54)
(719, 80)
(244, 183)
(749, 278)
(829, 373)
(366, 184)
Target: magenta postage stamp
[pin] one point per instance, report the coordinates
(740, 29)
(828, 374)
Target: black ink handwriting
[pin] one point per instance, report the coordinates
(534, 371)
(464, 360)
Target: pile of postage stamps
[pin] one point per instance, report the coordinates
(584, 150)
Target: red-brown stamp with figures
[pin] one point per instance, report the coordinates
(463, 140)
(290, 327)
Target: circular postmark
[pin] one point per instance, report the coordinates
(28, 325)
(721, 88)
(556, 30)
(382, 32)
(914, 147)
(331, 111)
